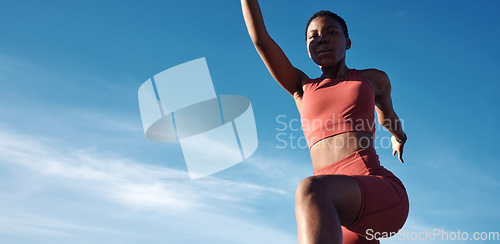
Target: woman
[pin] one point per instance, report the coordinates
(350, 198)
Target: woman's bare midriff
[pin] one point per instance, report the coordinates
(334, 148)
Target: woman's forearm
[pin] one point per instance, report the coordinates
(394, 126)
(254, 21)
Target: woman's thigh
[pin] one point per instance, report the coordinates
(342, 191)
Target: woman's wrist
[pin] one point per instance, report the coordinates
(402, 140)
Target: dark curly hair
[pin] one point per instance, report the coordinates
(332, 15)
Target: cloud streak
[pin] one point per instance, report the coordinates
(129, 185)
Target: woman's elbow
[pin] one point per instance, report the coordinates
(260, 41)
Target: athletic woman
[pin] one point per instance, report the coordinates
(351, 197)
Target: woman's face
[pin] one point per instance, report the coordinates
(326, 42)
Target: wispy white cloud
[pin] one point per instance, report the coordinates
(124, 179)
(130, 185)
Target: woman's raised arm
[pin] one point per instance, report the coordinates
(275, 59)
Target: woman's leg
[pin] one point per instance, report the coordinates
(324, 203)
(351, 237)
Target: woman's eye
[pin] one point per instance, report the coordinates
(313, 36)
(333, 32)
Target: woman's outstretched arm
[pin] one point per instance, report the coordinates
(387, 117)
(275, 59)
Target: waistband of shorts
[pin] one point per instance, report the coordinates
(353, 156)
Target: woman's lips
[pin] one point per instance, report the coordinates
(324, 51)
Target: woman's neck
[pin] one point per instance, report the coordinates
(334, 72)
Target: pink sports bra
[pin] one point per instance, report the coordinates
(334, 106)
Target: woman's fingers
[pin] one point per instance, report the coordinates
(397, 147)
(400, 154)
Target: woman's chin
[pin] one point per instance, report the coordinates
(324, 63)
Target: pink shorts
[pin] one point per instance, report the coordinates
(384, 206)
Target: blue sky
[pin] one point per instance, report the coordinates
(75, 166)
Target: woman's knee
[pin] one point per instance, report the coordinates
(313, 186)
(328, 187)
(340, 191)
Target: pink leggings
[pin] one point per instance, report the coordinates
(384, 206)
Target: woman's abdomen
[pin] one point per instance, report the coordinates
(337, 147)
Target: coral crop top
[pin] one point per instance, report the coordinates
(334, 106)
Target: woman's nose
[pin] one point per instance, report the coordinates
(322, 39)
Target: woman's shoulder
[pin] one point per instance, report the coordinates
(378, 79)
(374, 74)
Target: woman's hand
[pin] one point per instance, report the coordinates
(397, 147)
